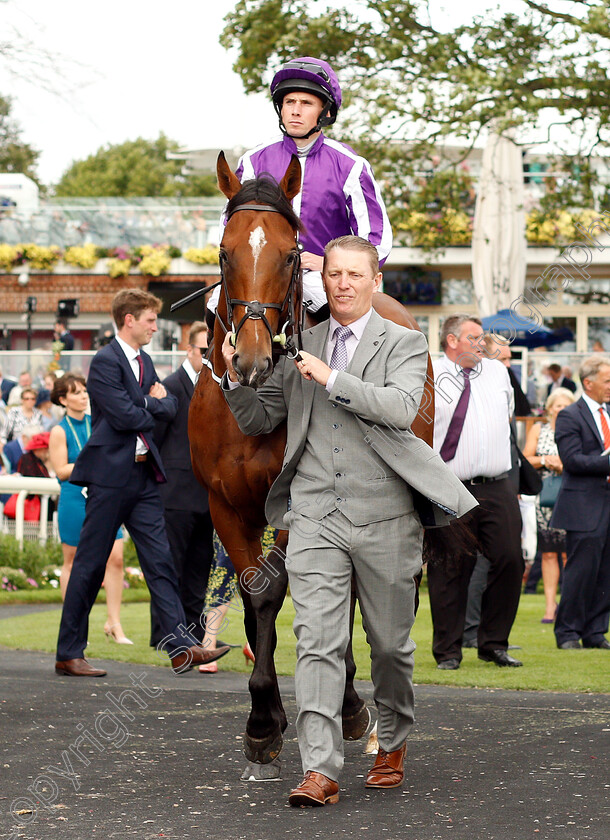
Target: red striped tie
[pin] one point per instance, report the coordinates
(605, 428)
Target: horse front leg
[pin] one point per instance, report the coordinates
(265, 593)
(263, 586)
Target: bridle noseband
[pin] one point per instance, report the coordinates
(254, 309)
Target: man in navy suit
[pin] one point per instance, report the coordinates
(121, 467)
(582, 433)
(559, 380)
(187, 514)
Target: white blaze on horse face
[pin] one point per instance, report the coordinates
(257, 243)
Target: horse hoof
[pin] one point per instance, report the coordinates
(262, 772)
(263, 750)
(355, 726)
(372, 745)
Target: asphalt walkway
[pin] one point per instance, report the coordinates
(80, 759)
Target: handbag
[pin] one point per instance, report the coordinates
(530, 483)
(550, 490)
(31, 508)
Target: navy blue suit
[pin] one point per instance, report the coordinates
(121, 490)
(583, 511)
(187, 514)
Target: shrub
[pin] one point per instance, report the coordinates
(13, 579)
(29, 564)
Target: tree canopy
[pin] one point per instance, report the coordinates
(15, 155)
(134, 168)
(413, 83)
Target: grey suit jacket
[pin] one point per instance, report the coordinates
(382, 387)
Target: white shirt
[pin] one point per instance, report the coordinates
(484, 445)
(132, 358)
(190, 370)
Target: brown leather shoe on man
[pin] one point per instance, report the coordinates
(388, 770)
(197, 655)
(77, 668)
(315, 789)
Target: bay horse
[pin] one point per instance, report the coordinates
(260, 303)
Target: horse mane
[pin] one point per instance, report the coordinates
(266, 190)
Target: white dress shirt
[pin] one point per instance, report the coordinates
(190, 370)
(484, 445)
(132, 358)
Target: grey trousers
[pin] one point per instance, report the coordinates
(321, 556)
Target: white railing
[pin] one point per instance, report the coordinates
(25, 486)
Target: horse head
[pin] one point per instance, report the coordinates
(260, 267)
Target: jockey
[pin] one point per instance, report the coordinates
(339, 195)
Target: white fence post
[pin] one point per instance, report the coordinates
(25, 486)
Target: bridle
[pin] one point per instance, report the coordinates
(255, 310)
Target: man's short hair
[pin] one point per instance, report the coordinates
(590, 367)
(196, 327)
(133, 302)
(555, 367)
(353, 243)
(63, 322)
(453, 326)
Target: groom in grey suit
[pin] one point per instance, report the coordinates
(345, 492)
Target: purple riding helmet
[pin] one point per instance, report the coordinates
(309, 75)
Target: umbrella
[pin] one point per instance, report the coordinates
(498, 238)
(524, 332)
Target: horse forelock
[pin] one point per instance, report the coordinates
(265, 190)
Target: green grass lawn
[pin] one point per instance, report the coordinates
(545, 667)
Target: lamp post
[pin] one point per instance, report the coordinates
(30, 308)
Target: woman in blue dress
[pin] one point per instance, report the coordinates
(66, 441)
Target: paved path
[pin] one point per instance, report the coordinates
(482, 764)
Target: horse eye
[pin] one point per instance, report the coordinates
(290, 258)
(222, 256)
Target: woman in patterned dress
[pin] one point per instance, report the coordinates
(541, 451)
(223, 594)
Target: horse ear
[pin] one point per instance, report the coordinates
(228, 183)
(291, 182)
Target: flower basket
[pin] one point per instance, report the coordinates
(202, 256)
(82, 256)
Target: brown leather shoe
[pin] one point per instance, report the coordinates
(77, 668)
(388, 770)
(197, 655)
(315, 789)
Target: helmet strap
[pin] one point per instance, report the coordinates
(323, 120)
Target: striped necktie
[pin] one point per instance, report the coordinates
(338, 359)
